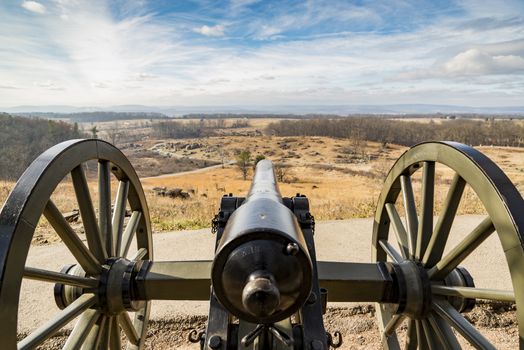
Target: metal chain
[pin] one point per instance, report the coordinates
(334, 344)
(214, 225)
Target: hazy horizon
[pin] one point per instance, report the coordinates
(261, 53)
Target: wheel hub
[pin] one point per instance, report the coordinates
(460, 277)
(65, 294)
(414, 289)
(414, 292)
(115, 290)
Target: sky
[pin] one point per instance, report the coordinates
(263, 53)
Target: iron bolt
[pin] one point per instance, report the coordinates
(292, 248)
(317, 345)
(214, 342)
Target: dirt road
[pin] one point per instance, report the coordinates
(200, 170)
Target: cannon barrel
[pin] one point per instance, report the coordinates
(262, 272)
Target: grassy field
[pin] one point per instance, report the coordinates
(342, 179)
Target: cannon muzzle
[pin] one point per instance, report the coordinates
(262, 272)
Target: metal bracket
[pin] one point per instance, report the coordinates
(313, 331)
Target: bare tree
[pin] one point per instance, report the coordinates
(114, 134)
(281, 171)
(223, 156)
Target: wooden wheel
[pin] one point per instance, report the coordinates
(426, 260)
(93, 289)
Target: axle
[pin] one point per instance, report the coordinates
(190, 280)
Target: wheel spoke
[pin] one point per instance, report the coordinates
(140, 324)
(119, 214)
(421, 337)
(104, 333)
(443, 332)
(390, 251)
(389, 341)
(139, 254)
(115, 343)
(398, 228)
(65, 316)
(57, 277)
(461, 325)
(129, 233)
(425, 227)
(81, 330)
(462, 250)
(129, 329)
(94, 240)
(104, 204)
(410, 208)
(474, 293)
(449, 210)
(411, 336)
(430, 336)
(95, 335)
(85, 258)
(393, 324)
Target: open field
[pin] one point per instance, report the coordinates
(342, 178)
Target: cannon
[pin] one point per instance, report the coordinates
(265, 286)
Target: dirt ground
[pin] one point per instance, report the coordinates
(356, 324)
(172, 321)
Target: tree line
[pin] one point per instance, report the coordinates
(23, 139)
(102, 116)
(473, 132)
(180, 129)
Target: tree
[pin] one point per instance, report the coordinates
(114, 133)
(94, 132)
(243, 161)
(258, 158)
(281, 171)
(76, 131)
(223, 156)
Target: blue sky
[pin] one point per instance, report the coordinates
(263, 53)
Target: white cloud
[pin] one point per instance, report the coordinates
(217, 30)
(100, 84)
(34, 6)
(477, 62)
(242, 3)
(100, 60)
(142, 77)
(49, 85)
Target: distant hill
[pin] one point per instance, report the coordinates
(23, 139)
(101, 116)
(341, 110)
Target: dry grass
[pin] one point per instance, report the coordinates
(333, 195)
(337, 189)
(296, 151)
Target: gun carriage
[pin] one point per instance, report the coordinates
(265, 287)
